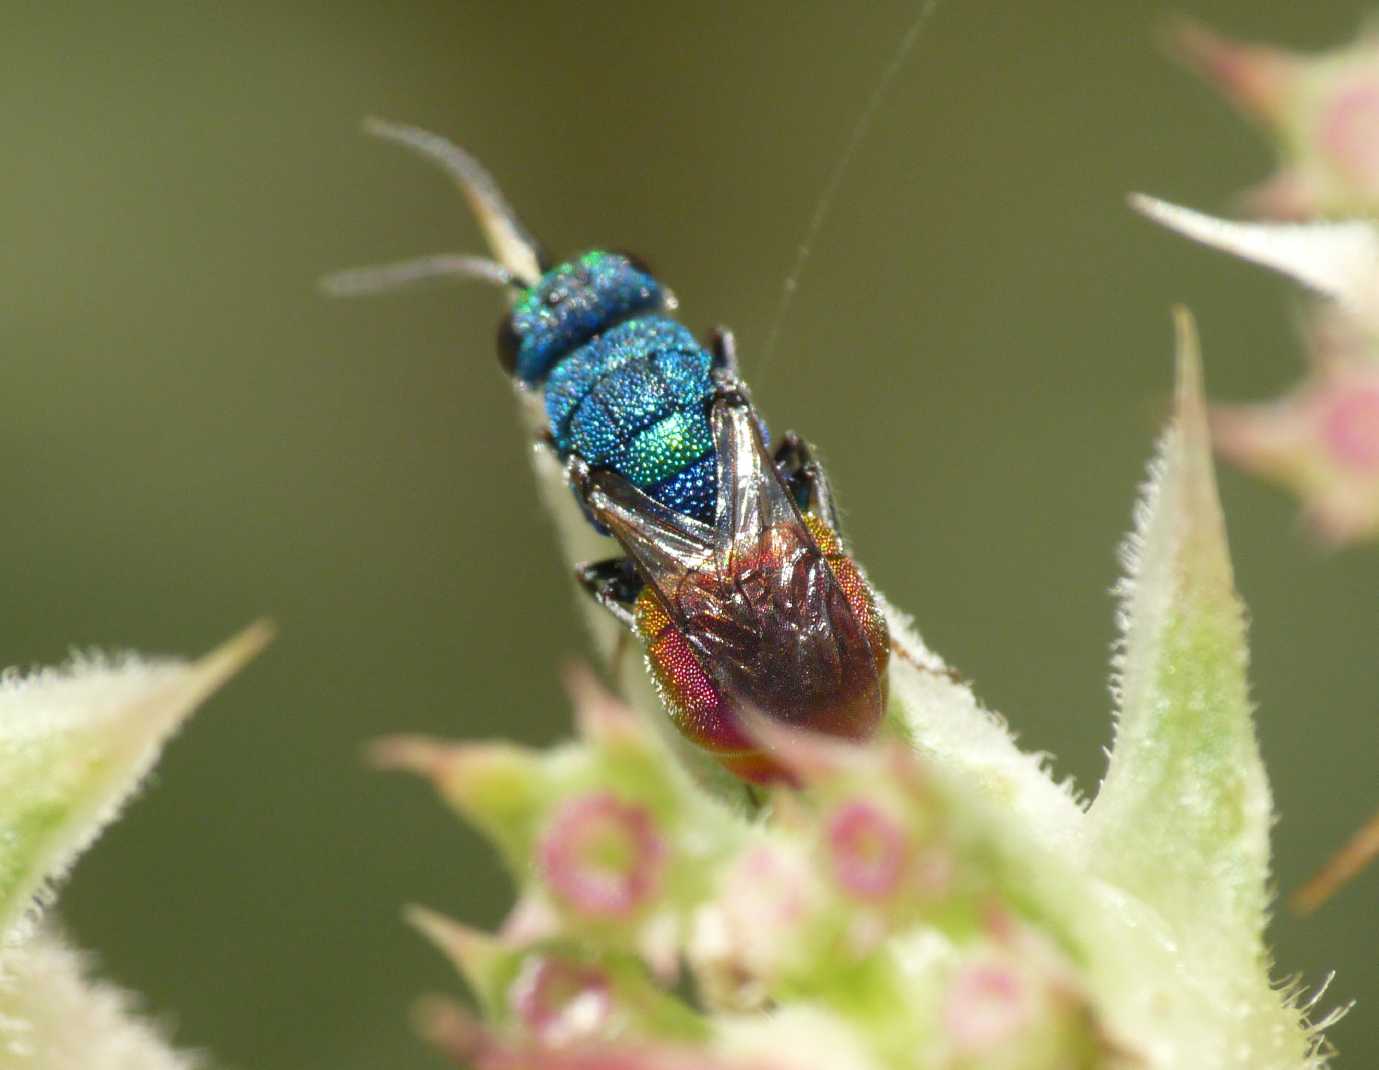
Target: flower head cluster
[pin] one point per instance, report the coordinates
(846, 898)
(931, 899)
(1322, 112)
(1322, 439)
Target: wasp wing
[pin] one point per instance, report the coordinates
(754, 595)
(777, 631)
(667, 547)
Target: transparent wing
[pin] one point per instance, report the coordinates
(667, 547)
(754, 595)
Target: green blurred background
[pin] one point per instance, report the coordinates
(192, 437)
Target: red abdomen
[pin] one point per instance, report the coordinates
(711, 719)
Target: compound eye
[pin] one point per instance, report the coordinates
(508, 345)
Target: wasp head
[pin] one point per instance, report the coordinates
(570, 304)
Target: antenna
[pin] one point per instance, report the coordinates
(508, 239)
(381, 278)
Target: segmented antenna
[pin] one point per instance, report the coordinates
(356, 282)
(507, 238)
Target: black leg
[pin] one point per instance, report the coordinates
(579, 477)
(806, 479)
(613, 584)
(723, 348)
(908, 656)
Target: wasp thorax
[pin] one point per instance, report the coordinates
(571, 304)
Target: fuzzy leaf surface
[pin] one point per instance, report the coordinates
(74, 744)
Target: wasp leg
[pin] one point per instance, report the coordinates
(544, 440)
(905, 654)
(667, 546)
(723, 348)
(805, 477)
(613, 584)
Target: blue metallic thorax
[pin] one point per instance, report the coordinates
(635, 400)
(626, 388)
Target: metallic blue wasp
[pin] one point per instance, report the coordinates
(732, 573)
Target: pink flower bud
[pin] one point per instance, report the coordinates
(868, 850)
(561, 1001)
(1349, 426)
(602, 857)
(1348, 130)
(1322, 441)
(986, 1006)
